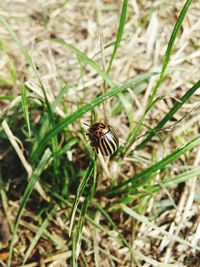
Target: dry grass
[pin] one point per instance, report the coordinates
(146, 35)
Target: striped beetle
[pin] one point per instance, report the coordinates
(103, 138)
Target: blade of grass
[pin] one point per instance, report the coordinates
(28, 58)
(69, 145)
(13, 71)
(149, 190)
(132, 136)
(170, 114)
(95, 240)
(86, 60)
(20, 46)
(40, 231)
(144, 219)
(79, 193)
(56, 240)
(119, 33)
(74, 247)
(141, 178)
(134, 132)
(126, 104)
(104, 47)
(170, 45)
(124, 241)
(176, 180)
(68, 203)
(35, 176)
(4, 81)
(6, 97)
(25, 108)
(85, 108)
(45, 123)
(77, 234)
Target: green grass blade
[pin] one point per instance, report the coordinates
(68, 203)
(25, 108)
(127, 105)
(177, 27)
(43, 131)
(86, 60)
(25, 54)
(170, 114)
(133, 133)
(77, 233)
(6, 97)
(170, 45)
(33, 66)
(69, 145)
(26, 195)
(142, 177)
(21, 47)
(58, 241)
(60, 96)
(119, 33)
(149, 190)
(79, 193)
(177, 179)
(143, 219)
(123, 239)
(74, 247)
(4, 81)
(85, 108)
(79, 228)
(13, 71)
(45, 124)
(40, 231)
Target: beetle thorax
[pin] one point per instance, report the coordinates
(99, 129)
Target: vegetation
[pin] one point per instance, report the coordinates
(66, 65)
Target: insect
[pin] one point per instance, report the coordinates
(103, 138)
